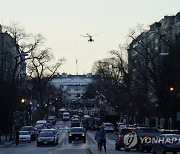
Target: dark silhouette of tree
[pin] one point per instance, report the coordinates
(156, 73)
(41, 72)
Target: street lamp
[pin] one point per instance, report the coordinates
(22, 100)
(23, 109)
(30, 112)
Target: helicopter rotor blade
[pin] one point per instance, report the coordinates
(84, 36)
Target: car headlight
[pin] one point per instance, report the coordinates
(70, 134)
(83, 134)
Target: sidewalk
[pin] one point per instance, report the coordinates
(5, 143)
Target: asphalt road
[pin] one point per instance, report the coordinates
(90, 147)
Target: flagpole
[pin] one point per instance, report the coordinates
(76, 66)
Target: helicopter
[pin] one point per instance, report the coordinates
(90, 37)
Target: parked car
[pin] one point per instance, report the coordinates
(145, 133)
(119, 142)
(108, 127)
(54, 131)
(167, 143)
(77, 133)
(46, 138)
(32, 131)
(24, 136)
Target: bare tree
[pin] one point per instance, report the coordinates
(153, 73)
(27, 45)
(113, 76)
(40, 71)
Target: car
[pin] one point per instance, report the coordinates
(39, 127)
(75, 123)
(66, 116)
(118, 124)
(121, 126)
(88, 122)
(46, 138)
(144, 134)
(51, 120)
(167, 143)
(24, 136)
(77, 134)
(54, 131)
(75, 117)
(167, 131)
(31, 130)
(119, 142)
(108, 127)
(41, 122)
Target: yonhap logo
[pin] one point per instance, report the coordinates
(130, 140)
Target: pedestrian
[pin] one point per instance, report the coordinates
(17, 137)
(102, 139)
(97, 137)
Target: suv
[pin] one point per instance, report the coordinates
(119, 143)
(145, 134)
(77, 133)
(54, 132)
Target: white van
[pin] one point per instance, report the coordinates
(66, 116)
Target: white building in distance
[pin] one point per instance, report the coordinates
(73, 86)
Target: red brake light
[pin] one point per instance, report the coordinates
(145, 137)
(119, 137)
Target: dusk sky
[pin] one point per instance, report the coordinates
(62, 22)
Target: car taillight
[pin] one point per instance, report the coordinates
(119, 137)
(145, 137)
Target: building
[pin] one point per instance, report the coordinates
(154, 66)
(10, 58)
(144, 54)
(73, 86)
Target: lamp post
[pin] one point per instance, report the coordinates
(23, 102)
(30, 113)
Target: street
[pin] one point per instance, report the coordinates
(64, 147)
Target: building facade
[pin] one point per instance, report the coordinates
(72, 86)
(10, 58)
(144, 54)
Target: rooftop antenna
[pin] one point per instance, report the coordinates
(76, 67)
